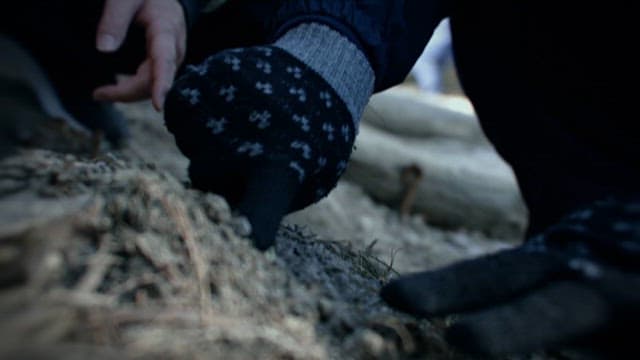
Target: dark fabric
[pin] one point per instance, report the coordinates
(547, 80)
(574, 284)
(261, 129)
(608, 231)
(379, 28)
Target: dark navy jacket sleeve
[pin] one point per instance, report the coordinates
(392, 33)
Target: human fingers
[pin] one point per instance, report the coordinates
(553, 315)
(116, 17)
(129, 89)
(471, 284)
(166, 43)
(164, 63)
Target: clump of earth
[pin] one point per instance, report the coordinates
(110, 255)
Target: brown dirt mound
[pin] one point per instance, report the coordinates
(111, 257)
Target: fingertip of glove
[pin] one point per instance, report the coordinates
(263, 241)
(389, 293)
(264, 227)
(397, 294)
(268, 197)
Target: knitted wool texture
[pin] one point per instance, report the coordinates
(245, 108)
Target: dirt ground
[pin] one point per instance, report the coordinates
(110, 255)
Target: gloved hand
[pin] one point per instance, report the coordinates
(576, 284)
(262, 129)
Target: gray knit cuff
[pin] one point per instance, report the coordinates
(336, 59)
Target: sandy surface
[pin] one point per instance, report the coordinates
(113, 256)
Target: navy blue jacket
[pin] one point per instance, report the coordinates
(391, 33)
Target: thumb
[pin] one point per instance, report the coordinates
(114, 23)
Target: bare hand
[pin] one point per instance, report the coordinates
(165, 27)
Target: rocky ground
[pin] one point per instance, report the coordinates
(110, 255)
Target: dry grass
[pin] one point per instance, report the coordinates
(119, 260)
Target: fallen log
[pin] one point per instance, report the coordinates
(461, 185)
(410, 113)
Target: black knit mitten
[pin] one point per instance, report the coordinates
(263, 129)
(576, 284)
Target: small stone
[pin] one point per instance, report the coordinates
(217, 208)
(325, 309)
(367, 344)
(241, 226)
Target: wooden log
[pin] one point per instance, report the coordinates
(462, 185)
(410, 113)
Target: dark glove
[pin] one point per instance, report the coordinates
(577, 284)
(263, 130)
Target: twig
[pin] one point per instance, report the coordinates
(134, 283)
(407, 340)
(369, 249)
(411, 176)
(394, 252)
(97, 267)
(170, 271)
(178, 213)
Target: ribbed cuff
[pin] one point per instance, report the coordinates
(334, 58)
